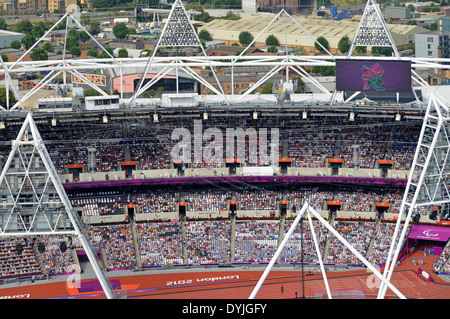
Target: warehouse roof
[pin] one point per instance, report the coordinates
(333, 31)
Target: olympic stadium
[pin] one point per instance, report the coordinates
(338, 194)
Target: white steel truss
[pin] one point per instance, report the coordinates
(306, 208)
(428, 181)
(33, 200)
(178, 32)
(372, 30)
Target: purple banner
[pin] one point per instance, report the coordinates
(373, 76)
(429, 233)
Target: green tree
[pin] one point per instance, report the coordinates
(12, 99)
(232, 16)
(92, 52)
(84, 36)
(104, 55)
(204, 35)
(39, 55)
(47, 47)
(3, 25)
(382, 51)
(16, 44)
(120, 30)
(75, 51)
(74, 33)
(160, 91)
(94, 27)
(272, 40)
(360, 50)
(323, 42)
(267, 88)
(103, 3)
(123, 53)
(28, 41)
(5, 58)
(37, 31)
(245, 38)
(272, 49)
(72, 41)
(344, 44)
(324, 70)
(24, 26)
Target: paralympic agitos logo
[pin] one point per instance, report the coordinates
(429, 233)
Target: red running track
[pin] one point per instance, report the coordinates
(238, 284)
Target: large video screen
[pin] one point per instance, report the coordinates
(373, 76)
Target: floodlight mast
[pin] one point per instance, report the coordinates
(311, 210)
(427, 180)
(41, 223)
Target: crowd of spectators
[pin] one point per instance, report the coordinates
(117, 242)
(316, 197)
(208, 242)
(404, 146)
(318, 140)
(157, 201)
(292, 251)
(160, 243)
(313, 145)
(359, 200)
(258, 199)
(14, 263)
(383, 239)
(166, 200)
(372, 142)
(442, 260)
(54, 259)
(207, 200)
(256, 241)
(358, 234)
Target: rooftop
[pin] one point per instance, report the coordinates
(332, 30)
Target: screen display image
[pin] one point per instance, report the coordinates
(373, 76)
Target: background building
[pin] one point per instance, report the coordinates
(443, 24)
(434, 44)
(6, 37)
(397, 13)
(228, 31)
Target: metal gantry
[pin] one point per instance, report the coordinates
(428, 180)
(179, 32)
(33, 200)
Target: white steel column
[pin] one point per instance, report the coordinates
(278, 252)
(43, 217)
(425, 148)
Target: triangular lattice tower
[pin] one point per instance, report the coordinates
(428, 182)
(372, 30)
(177, 32)
(33, 200)
(32, 197)
(71, 20)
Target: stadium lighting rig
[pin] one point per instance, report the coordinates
(35, 202)
(427, 182)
